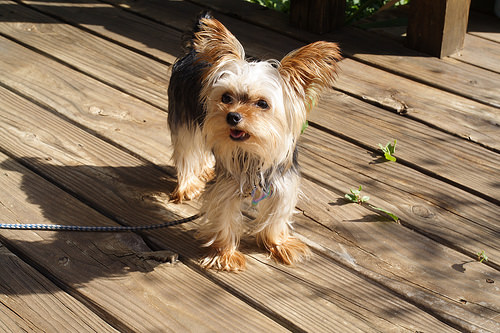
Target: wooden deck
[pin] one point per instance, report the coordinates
(84, 141)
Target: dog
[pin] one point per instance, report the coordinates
(234, 126)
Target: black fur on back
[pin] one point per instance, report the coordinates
(184, 105)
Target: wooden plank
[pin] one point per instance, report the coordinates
(318, 16)
(109, 113)
(371, 241)
(112, 273)
(420, 146)
(133, 31)
(462, 79)
(422, 141)
(451, 113)
(127, 191)
(458, 78)
(436, 209)
(141, 76)
(477, 51)
(480, 52)
(438, 27)
(29, 302)
(484, 26)
(455, 114)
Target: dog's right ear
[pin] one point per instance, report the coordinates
(214, 43)
(310, 69)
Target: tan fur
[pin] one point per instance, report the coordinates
(264, 160)
(289, 251)
(194, 164)
(310, 69)
(233, 261)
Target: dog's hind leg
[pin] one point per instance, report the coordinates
(193, 162)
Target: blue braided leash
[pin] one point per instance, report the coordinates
(59, 227)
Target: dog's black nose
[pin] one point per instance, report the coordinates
(233, 118)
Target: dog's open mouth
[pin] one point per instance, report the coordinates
(238, 135)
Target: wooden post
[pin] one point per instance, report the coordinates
(437, 27)
(318, 16)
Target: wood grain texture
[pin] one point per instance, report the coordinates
(111, 272)
(283, 296)
(454, 114)
(142, 76)
(458, 218)
(435, 152)
(480, 52)
(133, 31)
(29, 302)
(459, 78)
(111, 114)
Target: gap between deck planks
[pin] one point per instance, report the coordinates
(81, 174)
(423, 145)
(462, 79)
(472, 126)
(112, 273)
(279, 293)
(432, 106)
(28, 299)
(107, 116)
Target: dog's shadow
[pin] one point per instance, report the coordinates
(95, 195)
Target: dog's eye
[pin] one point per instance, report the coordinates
(226, 99)
(262, 104)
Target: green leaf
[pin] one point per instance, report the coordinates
(388, 150)
(389, 157)
(392, 148)
(351, 197)
(304, 127)
(365, 198)
(393, 216)
(481, 256)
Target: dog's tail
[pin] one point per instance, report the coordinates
(187, 38)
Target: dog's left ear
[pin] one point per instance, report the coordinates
(310, 69)
(214, 43)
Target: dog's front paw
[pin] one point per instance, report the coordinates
(289, 251)
(224, 260)
(187, 190)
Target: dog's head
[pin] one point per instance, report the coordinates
(258, 108)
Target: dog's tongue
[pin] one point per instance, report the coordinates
(236, 134)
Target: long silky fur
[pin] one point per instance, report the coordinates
(266, 160)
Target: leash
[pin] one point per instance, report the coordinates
(59, 227)
(265, 193)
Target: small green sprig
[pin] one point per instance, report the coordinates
(389, 150)
(305, 125)
(481, 256)
(355, 196)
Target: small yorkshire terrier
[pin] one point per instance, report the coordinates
(234, 125)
